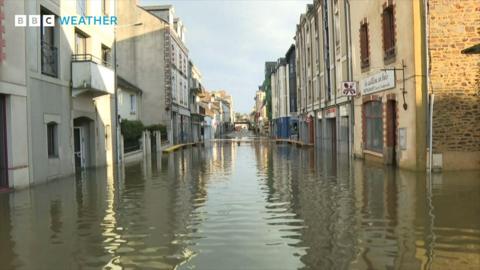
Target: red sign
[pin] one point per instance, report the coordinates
(2, 32)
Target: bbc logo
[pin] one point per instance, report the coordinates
(34, 20)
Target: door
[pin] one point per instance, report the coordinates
(79, 147)
(392, 132)
(311, 130)
(3, 144)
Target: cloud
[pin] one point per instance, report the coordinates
(230, 40)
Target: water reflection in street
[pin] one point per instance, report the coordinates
(256, 205)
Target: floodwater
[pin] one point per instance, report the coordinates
(256, 205)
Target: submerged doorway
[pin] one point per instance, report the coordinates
(82, 142)
(3, 144)
(79, 147)
(391, 132)
(331, 134)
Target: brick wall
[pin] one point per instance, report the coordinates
(455, 77)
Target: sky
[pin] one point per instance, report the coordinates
(230, 40)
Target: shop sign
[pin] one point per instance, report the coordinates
(330, 113)
(378, 82)
(349, 89)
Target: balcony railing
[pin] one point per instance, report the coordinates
(49, 60)
(90, 58)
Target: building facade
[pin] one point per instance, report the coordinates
(260, 112)
(152, 41)
(322, 65)
(66, 122)
(197, 112)
(280, 100)
(454, 83)
(390, 114)
(290, 58)
(14, 149)
(71, 113)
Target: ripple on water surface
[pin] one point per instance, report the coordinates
(250, 206)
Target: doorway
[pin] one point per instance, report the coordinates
(392, 132)
(311, 130)
(83, 142)
(3, 143)
(79, 147)
(331, 134)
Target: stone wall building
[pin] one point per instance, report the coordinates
(455, 83)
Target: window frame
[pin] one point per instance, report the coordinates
(133, 104)
(106, 58)
(373, 126)
(52, 140)
(81, 7)
(50, 58)
(364, 46)
(388, 32)
(80, 35)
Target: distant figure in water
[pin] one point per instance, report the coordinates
(238, 143)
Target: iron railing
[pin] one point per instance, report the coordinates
(90, 58)
(49, 59)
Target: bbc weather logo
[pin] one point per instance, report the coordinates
(34, 20)
(50, 20)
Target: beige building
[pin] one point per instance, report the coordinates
(390, 112)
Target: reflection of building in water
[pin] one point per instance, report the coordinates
(223, 156)
(385, 211)
(448, 207)
(7, 254)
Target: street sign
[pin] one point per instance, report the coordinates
(349, 89)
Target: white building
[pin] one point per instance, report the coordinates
(14, 158)
(66, 73)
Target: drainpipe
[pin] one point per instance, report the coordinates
(431, 96)
(348, 24)
(115, 85)
(430, 135)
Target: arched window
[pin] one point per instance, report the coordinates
(373, 129)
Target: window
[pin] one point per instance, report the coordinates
(337, 28)
(364, 43)
(388, 21)
(106, 55)
(82, 7)
(133, 104)
(49, 53)
(52, 140)
(373, 130)
(80, 43)
(105, 7)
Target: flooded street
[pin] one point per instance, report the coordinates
(256, 205)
